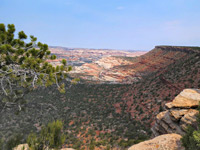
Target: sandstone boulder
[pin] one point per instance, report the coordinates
(188, 98)
(22, 147)
(165, 142)
(168, 105)
(179, 115)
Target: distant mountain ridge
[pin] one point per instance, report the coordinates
(70, 48)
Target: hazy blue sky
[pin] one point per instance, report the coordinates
(119, 24)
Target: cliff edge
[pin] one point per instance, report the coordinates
(172, 123)
(179, 113)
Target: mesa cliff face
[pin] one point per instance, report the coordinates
(167, 71)
(128, 70)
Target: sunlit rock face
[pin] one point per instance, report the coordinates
(180, 113)
(187, 99)
(167, 141)
(172, 123)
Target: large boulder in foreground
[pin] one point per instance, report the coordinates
(188, 98)
(164, 142)
(180, 113)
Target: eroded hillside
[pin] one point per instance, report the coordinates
(81, 56)
(127, 70)
(157, 88)
(111, 115)
(97, 65)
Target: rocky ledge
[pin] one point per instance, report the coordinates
(186, 49)
(172, 123)
(179, 114)
(164, 142)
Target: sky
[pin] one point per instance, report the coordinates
(112, 24)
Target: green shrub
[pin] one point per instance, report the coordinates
(13, 141)
(1, 144)
(191, 140)
(50, 136)
(19, 58)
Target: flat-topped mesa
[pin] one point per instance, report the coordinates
(180, 113)
(186, 49)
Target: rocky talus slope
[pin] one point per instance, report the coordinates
(171, 124)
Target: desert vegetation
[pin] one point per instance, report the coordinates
(102, 115)
(191, 140)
